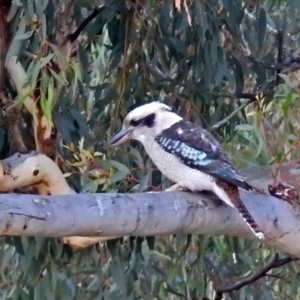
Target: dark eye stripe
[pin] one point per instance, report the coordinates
(149, 120)
(146, 121)
(136, 122)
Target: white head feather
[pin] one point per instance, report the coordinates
(163, 117)
(145, 122)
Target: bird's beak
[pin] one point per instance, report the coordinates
(121, 137)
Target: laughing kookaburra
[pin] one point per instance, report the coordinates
(186, 154)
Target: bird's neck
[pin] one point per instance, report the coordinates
(166, 121)
(147, 142)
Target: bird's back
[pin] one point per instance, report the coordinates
(197, 149)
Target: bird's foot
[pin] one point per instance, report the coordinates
(176, 187)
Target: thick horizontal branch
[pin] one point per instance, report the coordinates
(41, 174)
(147, 214)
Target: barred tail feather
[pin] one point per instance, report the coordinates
(249, 220)
(233, 199)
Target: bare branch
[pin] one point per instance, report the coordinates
(137, 214)
(73, 36)
(274, 263)
(97, 217)
(35, 170)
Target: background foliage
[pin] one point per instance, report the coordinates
(201, 57)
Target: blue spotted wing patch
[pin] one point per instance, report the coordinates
(187, 154)
(197, 148)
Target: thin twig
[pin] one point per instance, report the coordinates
(237, 110)
(265, 90)
(287, 66)
(155, 69)
(73, 36)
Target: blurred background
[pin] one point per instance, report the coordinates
(228, 65)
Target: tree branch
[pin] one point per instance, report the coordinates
(286, 71)
(266, 89)
(274, 263)
(97, 217)
(40, 173)
(147, 214)
(73, 36)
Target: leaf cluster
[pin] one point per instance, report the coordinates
(87, 63)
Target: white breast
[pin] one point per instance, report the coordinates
(175, 170)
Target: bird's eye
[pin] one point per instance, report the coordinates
(135, 123)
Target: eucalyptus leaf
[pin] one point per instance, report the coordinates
(24, 36)
(85, 65)
(261, 28)
(119, 166)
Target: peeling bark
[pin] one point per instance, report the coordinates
(38, 172)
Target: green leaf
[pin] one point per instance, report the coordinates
(18, 244)
(80, 121)
(288, 101)
(21, 99)
(232, 14)
(201, 20)
(45, 60)
(24, 36)
(44, 27)
(261, 28)
(118, 176)
(35, 73)
(64, 289)
(90, 187)
(138, 158)
(119, 166)
(117, 272)
(244, 127)
(16, 44)
(58, 77)
(144, 182)
(40, 243)
(160, 256)
(46, 104)
(14, 7)
(41, 5)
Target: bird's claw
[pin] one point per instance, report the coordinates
(176, 187)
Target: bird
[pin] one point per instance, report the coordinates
(185, 153)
